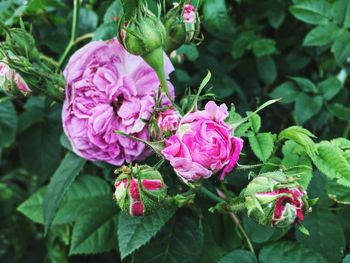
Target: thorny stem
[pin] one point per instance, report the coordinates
(75, 21)
(238, 223)
(209, 194)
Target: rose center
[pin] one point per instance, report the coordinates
(117, 103)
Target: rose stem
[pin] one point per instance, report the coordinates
(238, 223)
(73, 35)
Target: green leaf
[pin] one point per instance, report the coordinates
(241, 43)
(302, 137)
(83, 197)
(307, 106)
(255, 121)
(341, 13)
(341, 46)
(346, 259)
(289, 252)
(181, 240)
(215, 14)
(61, 180)
(297, 163)
(134, 232)
(322, 223)
(321, 35)
(305, 84)
(337, 192)
(239, 255)
(114, 12)
(190, 51)
(262, 145)
(313, 12)
(87, 21)
(129, 7)
(106, 31)
(330, 87)
(331, 161)
(264, 47)
(8, 123)
(95, 232)
(287, 91)
(40, 149)
(267, 69)
(339, 111)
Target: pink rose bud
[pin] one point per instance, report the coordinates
(168, 121)
(11, 81)
(140, 190)
(273, 200)
(177, 57)
(182, 25)
(109, 89)
(203, 145)
(189, 14)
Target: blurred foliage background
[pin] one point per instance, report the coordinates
(256, 50)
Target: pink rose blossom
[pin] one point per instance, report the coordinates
(168, 120)
(203, 145)
(8, 76)
(189, 14)
(136, 204)
(108, 89)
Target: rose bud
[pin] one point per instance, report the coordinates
(273, 200)
(203, 145)
(139, 190)
(176, 57)
(182, 25)
(166, 123)
(144, 35)
(11, 81)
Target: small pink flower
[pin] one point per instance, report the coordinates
(203, 145)
(189, 14)
(8, 76)
(168, 121)
(136, 205)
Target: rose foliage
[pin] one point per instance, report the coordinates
(174, 131)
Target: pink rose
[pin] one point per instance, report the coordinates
(108, 89)
(168, 121)
(189, 14)
(136, 206)
(9, 76)
(203, 145)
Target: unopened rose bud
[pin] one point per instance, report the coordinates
(274, 200)
(144, 35)
(140, 190)
(11, 81)
(182, 25)
(168, 121)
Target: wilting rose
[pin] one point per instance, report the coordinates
(9, 78)
(288, 206)
(168, 121)
(139, 197)
(203, 145)
(189, 14)
(108, 89)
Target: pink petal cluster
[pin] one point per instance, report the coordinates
(189, 14)
(285, 196)
(136, 204)
(8, 76)
(109, 89)
(168, 121)
(203, 145)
